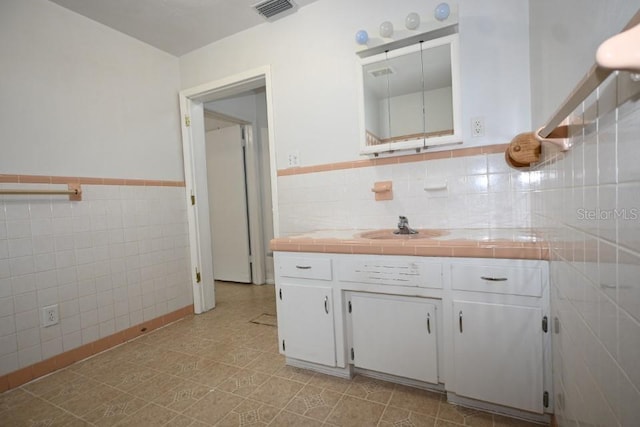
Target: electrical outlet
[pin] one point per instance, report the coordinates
(293, 159)
(477, 126)
(50, 315)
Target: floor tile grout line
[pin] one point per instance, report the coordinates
(57, 406)
(148, 403)
(124, 392)
(386, 406)
(285, 405)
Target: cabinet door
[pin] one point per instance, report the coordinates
(305, 323)
(498, 354)
(395, 335)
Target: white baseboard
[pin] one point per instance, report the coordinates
(336, 372)
(497, 409)
(439, 388)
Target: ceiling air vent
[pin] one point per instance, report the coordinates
(379, 72)
(274, 9)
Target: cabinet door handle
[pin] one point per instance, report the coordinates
(303, 267)
(429, 323)
(494, 279)
(326, 304)
(460, 321)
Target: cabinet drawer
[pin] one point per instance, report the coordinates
(519, 280)
(390, 271)
(305, 268)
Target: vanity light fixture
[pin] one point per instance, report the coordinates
(411, 22)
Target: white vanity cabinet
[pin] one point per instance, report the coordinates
(395, 335)
(473, 327)
(305, 323)
(498, 354)
(304, 300)
(499, 332)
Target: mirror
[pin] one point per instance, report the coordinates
(410, 96)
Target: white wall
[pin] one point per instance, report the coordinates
(242, 107)
(115, 259)
(407, 110)
(80, 99)
(585, 205)
(595, 263)
(494, 57)
(313, 63)
(481, 192)
(562, 51)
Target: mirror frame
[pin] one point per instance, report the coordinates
(421, 143)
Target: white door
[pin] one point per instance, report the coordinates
(193, 149)
(305, 323)
(228, 205)
(395, 335)
(498, 354)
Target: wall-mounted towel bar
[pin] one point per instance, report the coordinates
(74, 192)
(620, 52)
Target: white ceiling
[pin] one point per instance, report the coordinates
(175, 26)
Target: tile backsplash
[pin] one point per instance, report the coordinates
(481, 191)
(115, 259)
(587, 202)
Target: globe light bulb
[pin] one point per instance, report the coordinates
(386, 29)
(362, 37)
(412, 21)
(442, 11)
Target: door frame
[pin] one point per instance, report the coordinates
(193, 139)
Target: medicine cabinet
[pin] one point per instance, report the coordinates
(410, 94)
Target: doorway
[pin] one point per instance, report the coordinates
(223, 99)
(228, 201)
(239, 206)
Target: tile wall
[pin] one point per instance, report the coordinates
(587, 201)
(116, 259)
(481, 191)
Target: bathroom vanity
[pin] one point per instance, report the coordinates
(441, 313)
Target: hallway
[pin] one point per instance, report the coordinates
(221, 369)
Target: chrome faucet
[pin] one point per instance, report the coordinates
(403, 226)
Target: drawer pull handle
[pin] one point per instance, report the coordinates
(429, 323)
(494, 279)
(303, 267)
(326, 304)
(460, 321)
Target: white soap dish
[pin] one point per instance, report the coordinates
(435, 184)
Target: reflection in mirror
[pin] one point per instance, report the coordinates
(410, 97)
(397, 89)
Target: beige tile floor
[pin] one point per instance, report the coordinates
(220, 369)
